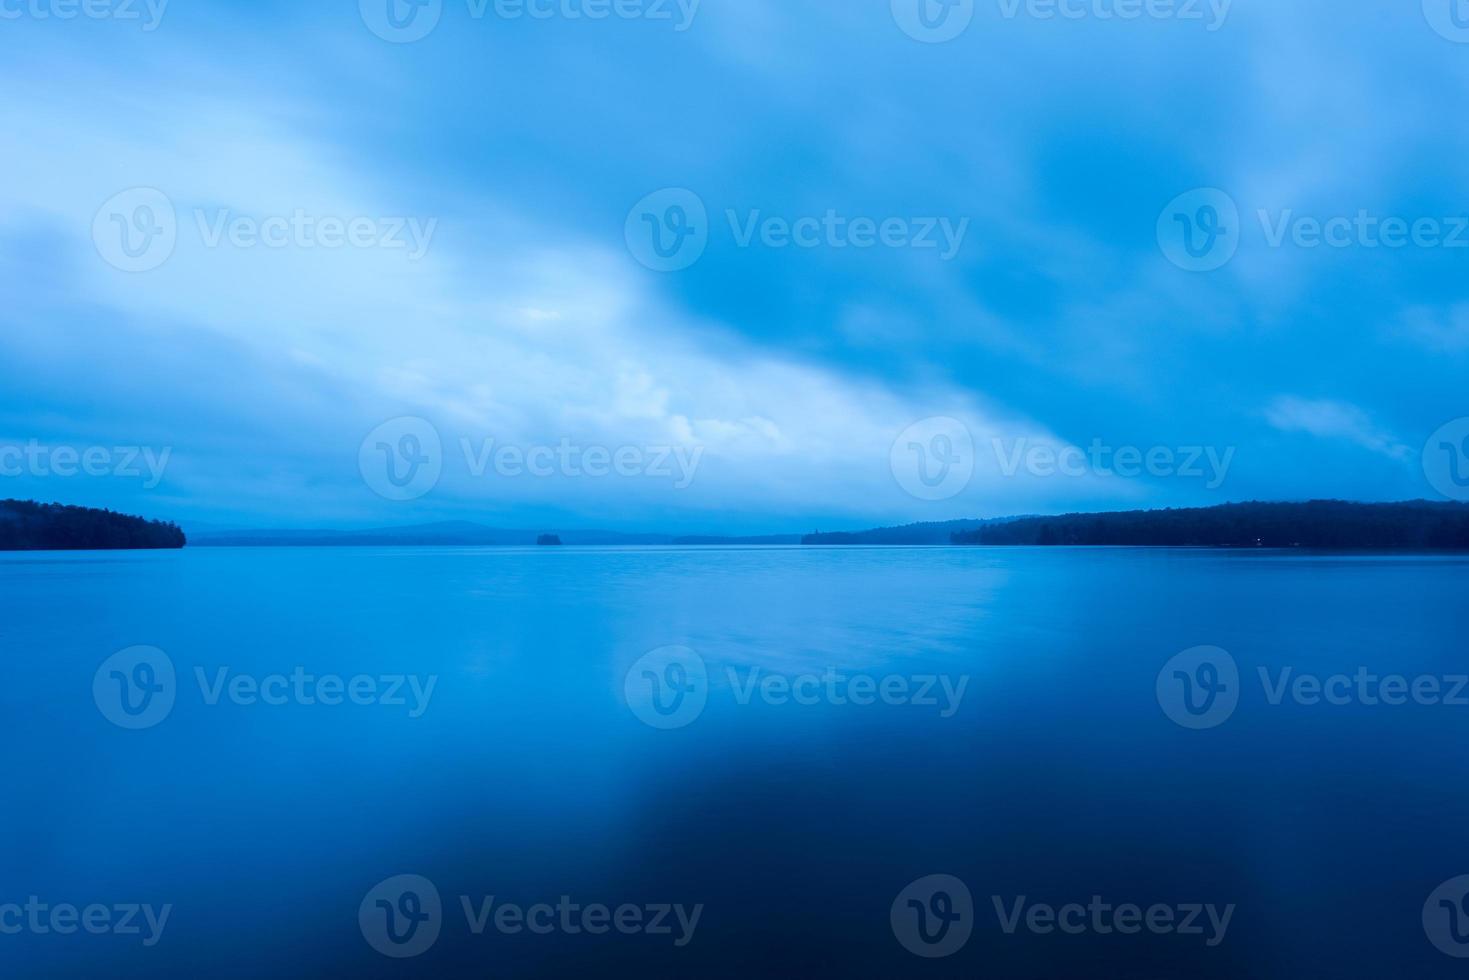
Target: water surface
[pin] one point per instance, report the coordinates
(1057, 775)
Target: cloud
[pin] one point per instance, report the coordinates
(1327, 419)
(524, 340)
(1441, 330)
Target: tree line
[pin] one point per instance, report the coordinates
(1324, 524)
(27, 525)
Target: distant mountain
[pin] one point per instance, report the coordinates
(26, 525)
(451, 533)
(1323, 524)
(940, 533)
(768, 539)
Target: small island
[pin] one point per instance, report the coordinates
(27, 525)
(548, 541)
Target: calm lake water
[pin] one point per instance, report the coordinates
(771, 796)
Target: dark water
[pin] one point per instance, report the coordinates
(1052, 775)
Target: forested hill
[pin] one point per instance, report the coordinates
(1325, 524)
(26, 525)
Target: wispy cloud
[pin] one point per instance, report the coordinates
(1441, 330)
(1328, 419)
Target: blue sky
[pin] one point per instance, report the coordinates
(883, 231)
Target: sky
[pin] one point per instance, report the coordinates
(734, 266)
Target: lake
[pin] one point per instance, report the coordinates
(734, 762)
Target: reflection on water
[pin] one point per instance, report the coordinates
(794, 742)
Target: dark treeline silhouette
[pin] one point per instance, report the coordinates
(1326, 524)
(26, 525)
